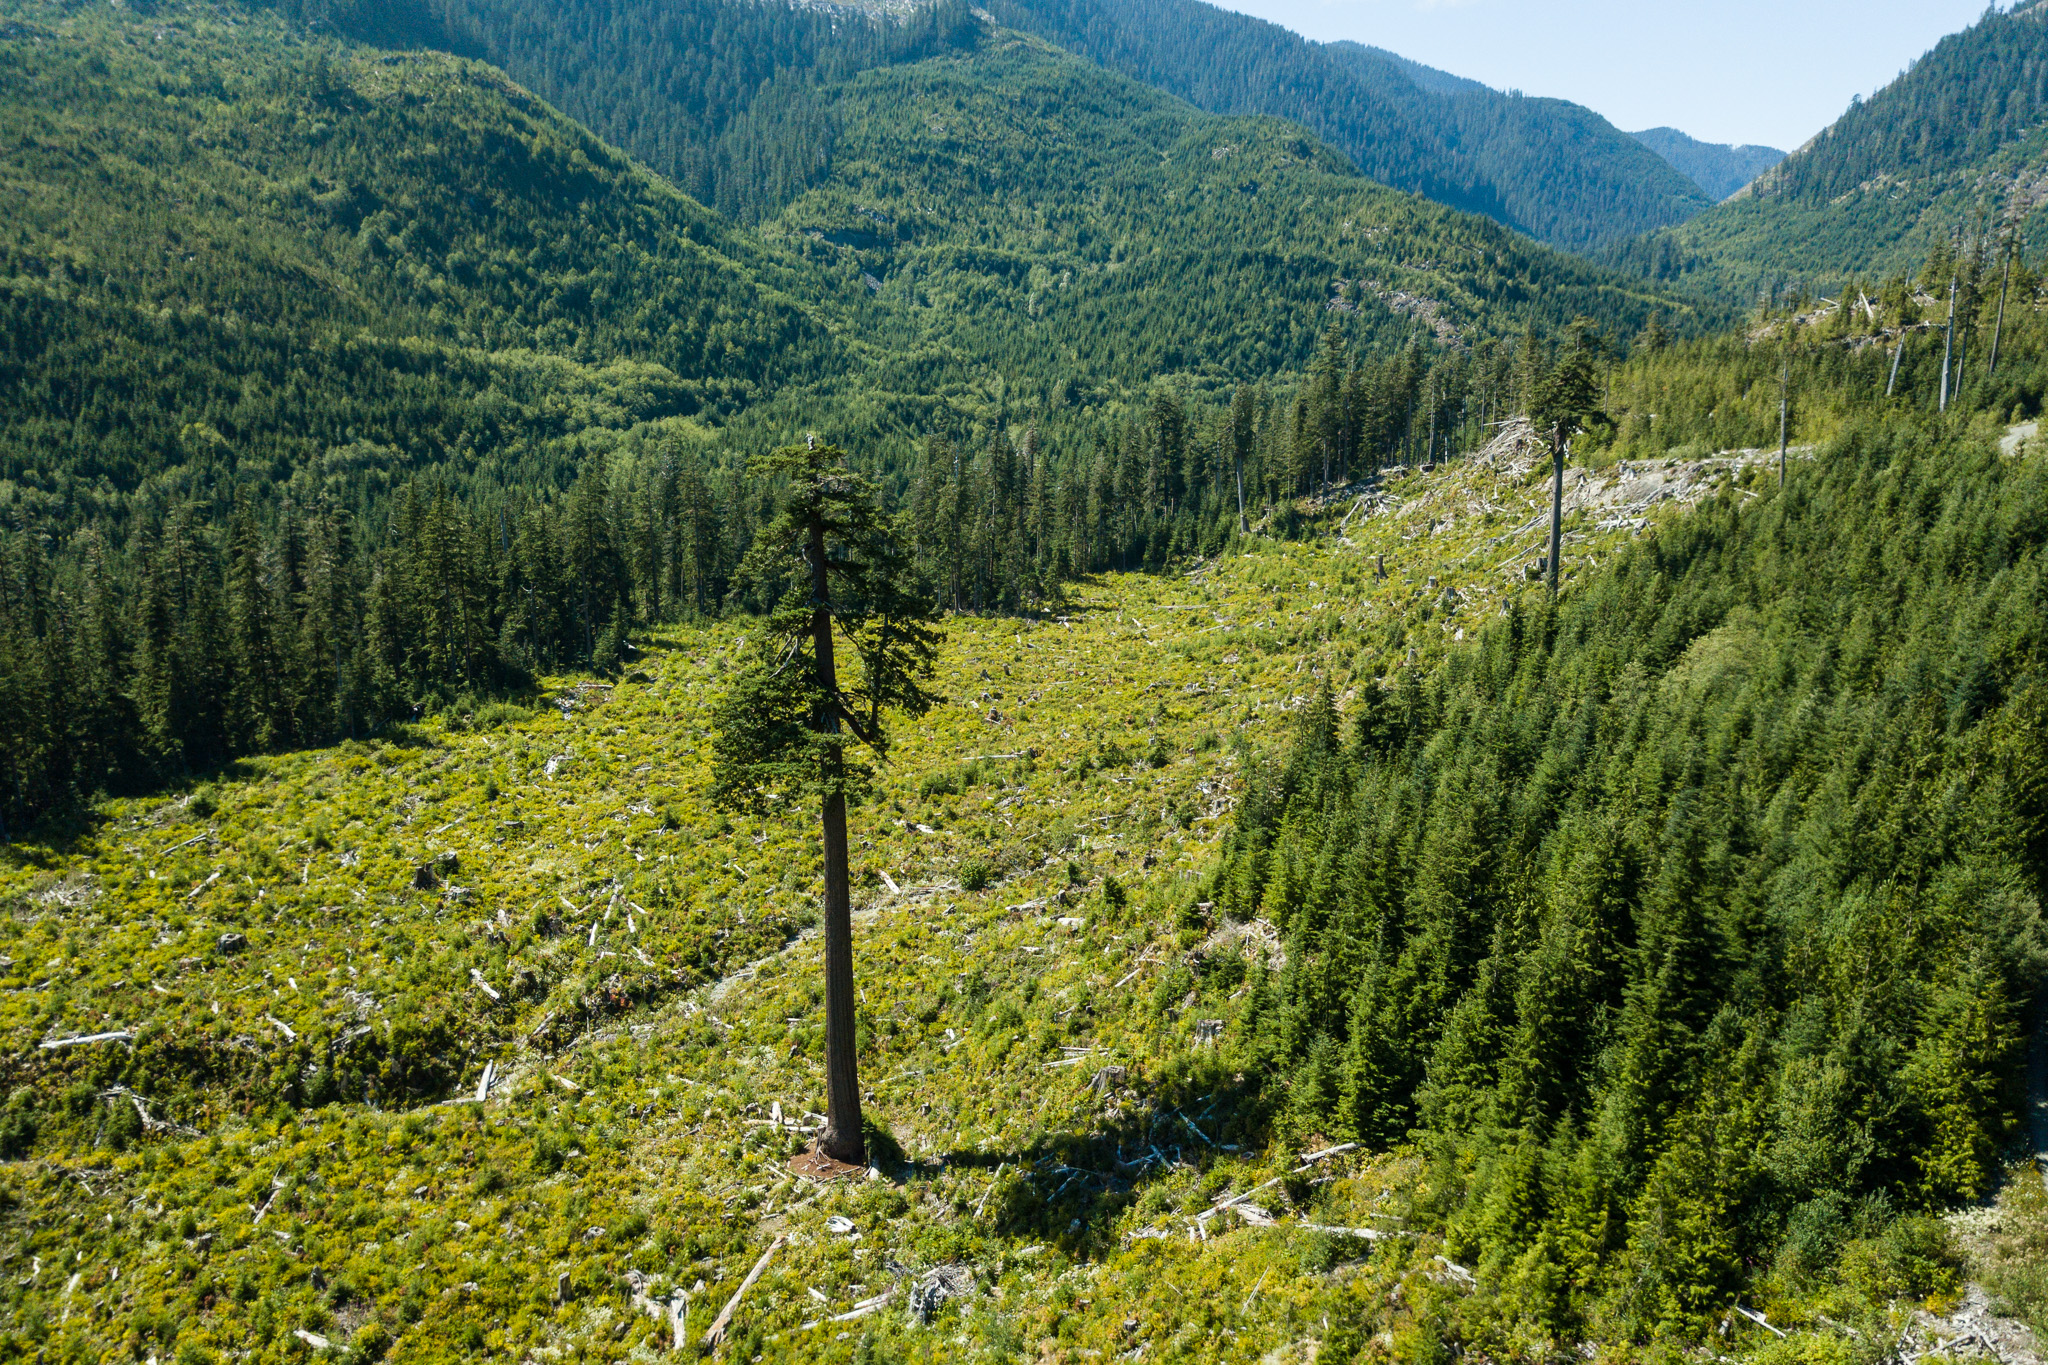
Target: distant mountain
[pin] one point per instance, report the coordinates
(1956, 142)
(1549, 168)
(1717, 168)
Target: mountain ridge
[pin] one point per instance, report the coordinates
(1523, 162)
(1720, 169)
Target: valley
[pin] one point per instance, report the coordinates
(322, 958)
(1303, 929)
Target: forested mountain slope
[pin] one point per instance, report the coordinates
(728, 99)
(1067, 223)
(1718, 169)
(1551, 169)
(232, 186)
(259, 284)
(723, 98)
(1426, 77)
(230, 248)
(1956, 144)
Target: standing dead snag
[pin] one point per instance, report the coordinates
(836, 569)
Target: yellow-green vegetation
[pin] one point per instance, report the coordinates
(323, 959)
(2010, 1244)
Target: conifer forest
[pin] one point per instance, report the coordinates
(894, 682)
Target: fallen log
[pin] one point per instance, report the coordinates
(715, 1337)
(119, 1035)
(1760, 1320)
(1217, 1208)
(983, 1202)
(184, 843)
(1327, 1151)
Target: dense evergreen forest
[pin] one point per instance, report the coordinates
(1032, 240)
(736, 102)
(731, 102)
(1690, 927)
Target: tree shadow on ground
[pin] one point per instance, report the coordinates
(62, 833)
(1072, 1186)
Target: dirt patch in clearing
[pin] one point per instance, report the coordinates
(813, 1164)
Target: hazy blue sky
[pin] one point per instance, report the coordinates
(1766, 71)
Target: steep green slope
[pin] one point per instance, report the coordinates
(727, 98)
(208, 214)
(722, 98)
(1545, 167)
(229, 248)
(1953, 145)
(1554, 169)
(1718, 169)
(1021, 210)
(1426, 77)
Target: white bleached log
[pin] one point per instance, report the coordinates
(119, 1035)
(716, 1334)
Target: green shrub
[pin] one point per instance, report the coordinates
(1913, 1255)
(371, 1340)
(17, 1130)
(976, 875)
(548, 1153)
(124, 1125)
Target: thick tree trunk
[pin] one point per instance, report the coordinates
(1556, 504)
(1784, 416)
(1948, 346)
(841, 1139)
(1998, 332)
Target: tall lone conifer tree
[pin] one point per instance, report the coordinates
(1560, 404)
(836, 567)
